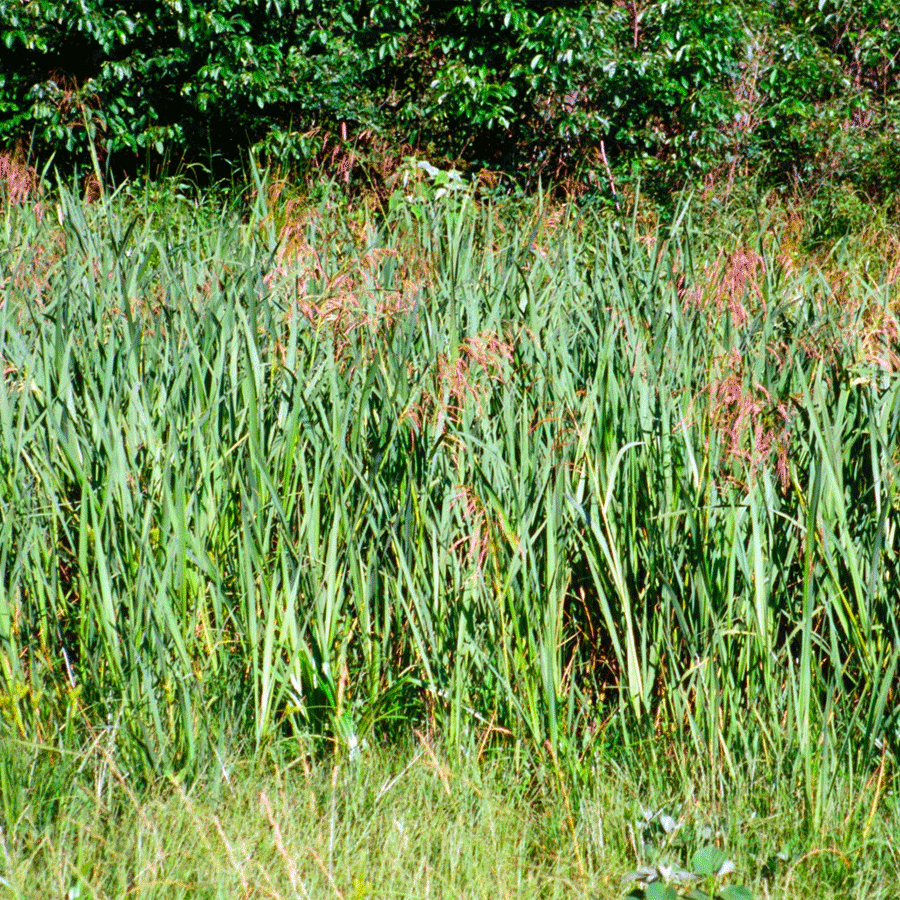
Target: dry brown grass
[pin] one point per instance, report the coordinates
(857, 306)
(753, 425)
(466, 372)
(19, 182)
(344, 295)
(27, 267)
(732, 284)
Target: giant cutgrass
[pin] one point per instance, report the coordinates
(311, 471)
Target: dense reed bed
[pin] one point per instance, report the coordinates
(540, 482)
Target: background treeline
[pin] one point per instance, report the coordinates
(796, 93)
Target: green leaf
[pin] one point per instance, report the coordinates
(708, 860)
(659, 891)
(735, 892)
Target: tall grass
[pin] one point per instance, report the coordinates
(282, 470)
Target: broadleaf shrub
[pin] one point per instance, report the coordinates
(798, 93)
(174, 75)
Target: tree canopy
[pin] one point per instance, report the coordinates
(792, 91)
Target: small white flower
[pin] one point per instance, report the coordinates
(670, 826)
(726, 868)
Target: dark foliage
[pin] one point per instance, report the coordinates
(799, 93)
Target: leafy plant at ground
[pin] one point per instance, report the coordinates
(704, 879)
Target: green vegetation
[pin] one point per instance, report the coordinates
(605, 506)
(494, 489)
(801, 94)
(407, 821)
